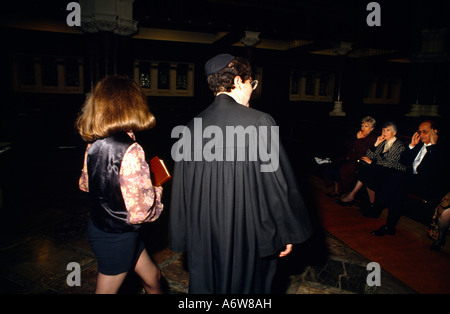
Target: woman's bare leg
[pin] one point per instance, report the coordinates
(371, 194)
(149, 273)
(109, 284)
(351, 196)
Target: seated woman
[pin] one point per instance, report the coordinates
(342, 171)
(382, 160)
(440, 224)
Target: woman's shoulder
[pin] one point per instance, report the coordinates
(372, 136)
(135, 149)
(399, 143)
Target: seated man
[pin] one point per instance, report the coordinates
(425, 165)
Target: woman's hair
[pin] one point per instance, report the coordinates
(391, 124)
(116, 104)
(370, 120)
(223, 80)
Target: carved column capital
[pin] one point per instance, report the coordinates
(251, 38)
(343, 48)
(114, 16)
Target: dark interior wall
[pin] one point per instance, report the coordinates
(32, 117)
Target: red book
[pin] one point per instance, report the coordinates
(158, 171)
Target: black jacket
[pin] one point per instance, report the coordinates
(103, 164)
(431, 166)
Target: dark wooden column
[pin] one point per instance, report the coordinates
(107, 39)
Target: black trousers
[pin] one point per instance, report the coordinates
(375, 176)
(394, 193)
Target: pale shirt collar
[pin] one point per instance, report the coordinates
(389, 144)
(424, 145)
(131, 134)
(419, 157)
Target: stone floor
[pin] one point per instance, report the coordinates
(46, 232)
(35, 261)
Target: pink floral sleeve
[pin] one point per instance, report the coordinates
(137, 189)
(142, 199)
(84, 182)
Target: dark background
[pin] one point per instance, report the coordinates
(39, 127)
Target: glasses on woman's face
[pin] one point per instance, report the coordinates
(254, 84)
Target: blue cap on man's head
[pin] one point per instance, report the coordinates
(217, 63)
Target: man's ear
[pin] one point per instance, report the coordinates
(237, 81)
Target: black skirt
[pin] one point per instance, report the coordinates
(116, 253)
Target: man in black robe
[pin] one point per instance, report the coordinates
(235, 204)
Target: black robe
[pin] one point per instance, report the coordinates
(230, 217)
